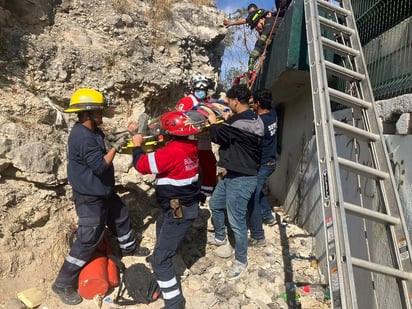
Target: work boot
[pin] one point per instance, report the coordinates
(180, 305)
(140, 251)
(67, 295)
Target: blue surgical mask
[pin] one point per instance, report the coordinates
(200, 94)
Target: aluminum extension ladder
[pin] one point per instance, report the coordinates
(367, 243)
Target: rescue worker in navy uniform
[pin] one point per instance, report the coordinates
(265, 23)
(91, 175)
(262, 21)
(176, 168)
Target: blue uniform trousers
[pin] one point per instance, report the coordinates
(169, 234)
(94, 214)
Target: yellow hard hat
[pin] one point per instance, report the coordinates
(86, 99)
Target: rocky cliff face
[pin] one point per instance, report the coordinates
(128, 50)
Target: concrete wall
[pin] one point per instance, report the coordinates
(295, 184)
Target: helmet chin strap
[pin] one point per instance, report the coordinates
(91, 118)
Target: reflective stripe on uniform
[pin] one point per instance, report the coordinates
(177, 182)
(75, 261)
(170, 295)
(206, 188)
(127, 245)
(167, 284)
(152, 163)
(194, 100)
(125, 237)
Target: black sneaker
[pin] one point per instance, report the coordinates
(68, 295)
(270, 222)
(140, 251)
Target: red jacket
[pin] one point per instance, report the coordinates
(176, 168)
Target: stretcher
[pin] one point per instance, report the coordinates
(154, 136)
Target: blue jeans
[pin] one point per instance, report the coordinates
(232, 194)
(258, 207)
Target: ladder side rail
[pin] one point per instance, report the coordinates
(342, 283)
(387, 189)
(379, 150)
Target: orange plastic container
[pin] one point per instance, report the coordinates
(112, 274)
(93, 278)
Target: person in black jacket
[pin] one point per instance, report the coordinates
(91, 175)
(239, 138)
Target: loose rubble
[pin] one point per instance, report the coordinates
(283, 274)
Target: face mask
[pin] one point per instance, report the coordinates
(200, 94)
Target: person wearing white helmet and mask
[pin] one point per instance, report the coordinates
(197, 105)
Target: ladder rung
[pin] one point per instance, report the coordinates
(371, 214)
(363, 169)
(354, 132)
(348, 100)
(334, 27)
(333, 8)
(343, 72)
(381, 269)
(338, 48)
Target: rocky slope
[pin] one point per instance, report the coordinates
(141, 56)
(133, 54)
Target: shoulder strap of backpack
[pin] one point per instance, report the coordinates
(119, 297)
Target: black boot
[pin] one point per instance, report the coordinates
(182, 304)
(140, 251)
(67, 295)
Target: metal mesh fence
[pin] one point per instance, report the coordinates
(385, 30)
(374, 17)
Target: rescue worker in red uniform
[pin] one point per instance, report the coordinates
(176, 169)
(197, 106)
(91, 174)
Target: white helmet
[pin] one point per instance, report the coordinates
(198, 81)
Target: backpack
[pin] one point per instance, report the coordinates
(141, 286)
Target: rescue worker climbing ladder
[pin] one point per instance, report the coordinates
(265, 24)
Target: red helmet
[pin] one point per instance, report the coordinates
(178, 123)
(187, 103)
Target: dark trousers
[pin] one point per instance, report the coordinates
(169, 234)
(94, 214)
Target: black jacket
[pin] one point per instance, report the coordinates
(239, 138)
